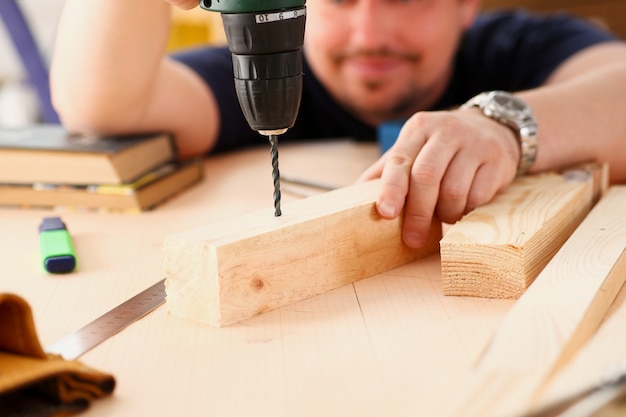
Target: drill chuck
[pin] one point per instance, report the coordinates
(266, 47)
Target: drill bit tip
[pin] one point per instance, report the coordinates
(275, 173)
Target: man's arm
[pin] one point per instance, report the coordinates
(109, 74)
(446, 163)
(580, 111)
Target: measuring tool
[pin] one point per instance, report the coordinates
(110, 323)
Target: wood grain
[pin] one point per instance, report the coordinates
(234, 270)
(391, 345)
(498, 249)
(554, 318)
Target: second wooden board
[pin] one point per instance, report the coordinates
(498, 249)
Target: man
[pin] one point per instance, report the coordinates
(368, 61)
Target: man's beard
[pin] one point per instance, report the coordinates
(412, 99)
(402, 106)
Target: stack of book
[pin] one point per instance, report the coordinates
(46, 166)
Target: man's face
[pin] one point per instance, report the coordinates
(385, 59)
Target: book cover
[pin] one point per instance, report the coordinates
(49, 153)
(143, 194)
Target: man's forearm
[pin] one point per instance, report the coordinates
(106, 57)
(579, 112)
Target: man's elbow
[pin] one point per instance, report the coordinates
(88, 113)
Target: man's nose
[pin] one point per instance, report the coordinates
(372, 25)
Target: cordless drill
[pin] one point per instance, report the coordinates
(265, 38)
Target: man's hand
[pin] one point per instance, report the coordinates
(184, 4)
(443, 164)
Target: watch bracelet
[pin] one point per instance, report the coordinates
(527, 142)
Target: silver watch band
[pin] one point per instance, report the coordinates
(519, 118)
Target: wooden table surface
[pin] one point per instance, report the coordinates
(390, 345)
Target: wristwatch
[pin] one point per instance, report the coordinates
(513, 112)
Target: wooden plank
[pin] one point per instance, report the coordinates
(498, 249)
(604, 354)
(553, 319)
(230, 271)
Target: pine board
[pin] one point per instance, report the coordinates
(498, 249)
(228, 272)
(554, 318)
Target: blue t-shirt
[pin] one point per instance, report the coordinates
(509, 51)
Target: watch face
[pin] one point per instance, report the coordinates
(513, 112)
(508, 105)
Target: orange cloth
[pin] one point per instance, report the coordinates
(36, 384)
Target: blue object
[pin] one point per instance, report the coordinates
(26, 47)
(387, 133)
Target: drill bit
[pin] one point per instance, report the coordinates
(275, 173)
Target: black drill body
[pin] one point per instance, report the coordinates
(265, 38)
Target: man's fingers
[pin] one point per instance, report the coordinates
(484, 188)
(395, 182)
(426, 175)
(446, 163)
(455, 188)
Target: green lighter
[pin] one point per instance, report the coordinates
(55, 244)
